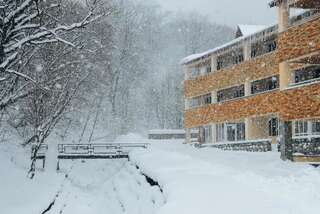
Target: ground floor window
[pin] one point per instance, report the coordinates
(274, 127)
(306, 128)
(230, 132)
(208, 134)
(301, 128)
(316, 127)
(220, 132)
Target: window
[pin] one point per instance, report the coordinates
(230, 93)
(271, 46)
(219, 64)
(308, 73)
(230, 132)
(265, 85)
(207, 99)
(195, 71)
(235, 132)
(241, 131)
(208, 134)
(306, 128)
(301, 128)
(264, 47)
(220, 133)
(316, 127)
(238, 58)
(208, 69)
(253, 52)
(273, 127)
(195, 102)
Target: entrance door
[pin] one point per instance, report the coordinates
(231, 132)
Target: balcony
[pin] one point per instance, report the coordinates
(290, 104)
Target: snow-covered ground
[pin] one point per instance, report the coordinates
(211, 181)
(81, 187)
(193, 181)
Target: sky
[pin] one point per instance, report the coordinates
(229, 12)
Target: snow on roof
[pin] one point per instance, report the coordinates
(193, 57)
(248, 30)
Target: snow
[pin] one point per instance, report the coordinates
(82, 187)
(193, 181)
(207, 180)
(130, 138)
(167, 131)
(248, 30)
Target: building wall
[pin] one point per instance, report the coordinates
(299, 40)
(291, 104)
(259, 128)
(258, 68)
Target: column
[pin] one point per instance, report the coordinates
(188, 136)
(247, 50)
(247, 87)
(248, 124)
(283, 18)
(214, 133)
(286, 140)
(214, 97)
(214, 63)
(284, 75)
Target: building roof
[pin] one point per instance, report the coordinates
(305, 4)
(246, 30)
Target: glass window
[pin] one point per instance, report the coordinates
(208, 134)
(271, 46)
(316, 127)
(301, 128)
(308, 73)
(241, 131)
(265, 85)
(195, 102)
(208, 69)
(207, 99)
(220, 133)
(273, 127)
(195, 71)
(230, 93)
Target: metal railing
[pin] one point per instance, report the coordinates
(97, 150)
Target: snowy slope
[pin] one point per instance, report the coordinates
(208, 181)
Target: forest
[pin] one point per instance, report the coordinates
(96, 68)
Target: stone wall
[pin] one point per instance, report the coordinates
(296, 103)
(306, 146)
(299, 40)
(259, 146)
